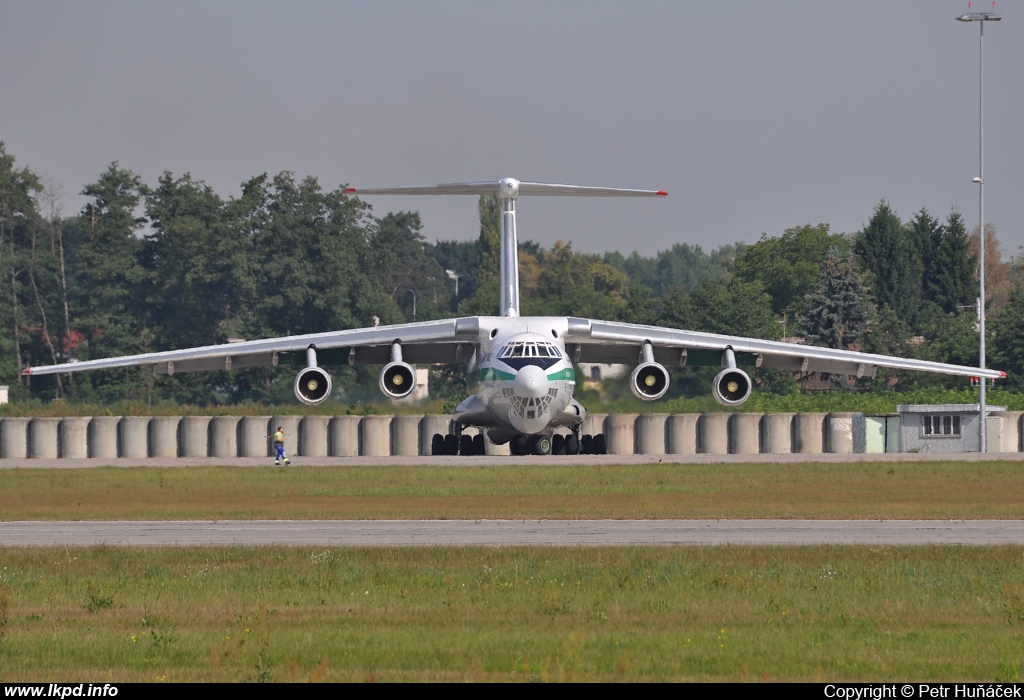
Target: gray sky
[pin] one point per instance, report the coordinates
(754, 116)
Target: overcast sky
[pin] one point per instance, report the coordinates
(754, 116)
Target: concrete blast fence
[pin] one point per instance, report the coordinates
(137, 437)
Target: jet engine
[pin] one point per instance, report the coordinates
(731, 387)
(397, 380)
(312, 386)
(649, 381)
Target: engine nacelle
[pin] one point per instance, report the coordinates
(731, 387)
(397, 380)
(649, 381)
(312, 386)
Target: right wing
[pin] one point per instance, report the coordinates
(448, 340)
(617, 342)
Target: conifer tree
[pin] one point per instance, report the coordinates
(837, 311)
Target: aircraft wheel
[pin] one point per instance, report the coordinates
(558, 444)
(541, 445)
(478, 444)
(520, 445)
(587, 445)
(451, 445)
(465, 445)
(600, 445)
(437, 444)
(572, 445)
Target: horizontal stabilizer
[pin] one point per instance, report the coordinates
(509, 187)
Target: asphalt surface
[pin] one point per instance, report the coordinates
(508, 533)
(498, 460)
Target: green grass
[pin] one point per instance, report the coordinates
(936, 490)
(735, 613)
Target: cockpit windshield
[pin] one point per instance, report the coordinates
(529, 349)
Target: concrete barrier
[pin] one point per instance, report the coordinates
(650, 433)
(405, 435)
(498, 450)
(108, 437)
(839, 433)
(103, 437)
(681, 433)
(777, 430)
(745, 433)
(14, 438)
(314, 436)
(134, 432)
(809, 430)
(42, 438)
(375, 436)
(163, 436)
(594, 423)
(252, 436)
(713, 430)
(73, 437)
(1011, 431)
(620, 431)
(345, 436)
(195, 436)
(224, 436)
(292, 435)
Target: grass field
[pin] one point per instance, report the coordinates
(937, 490)
(812, 613)
(528, 614)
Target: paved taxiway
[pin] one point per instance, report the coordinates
(508, 533)
(500, 461)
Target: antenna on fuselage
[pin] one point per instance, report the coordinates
(509, 190)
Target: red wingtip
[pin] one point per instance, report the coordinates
(348, 190)
(663, 193)
(1003, 375)
(27, 370)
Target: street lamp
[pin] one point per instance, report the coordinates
(455, 276)
(981, 18)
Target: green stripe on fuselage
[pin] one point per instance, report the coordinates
(566, 374)
(490, 374)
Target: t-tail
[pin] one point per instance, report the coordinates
(509, 190)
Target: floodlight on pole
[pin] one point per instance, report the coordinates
(981, 18)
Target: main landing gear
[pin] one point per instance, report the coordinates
(456, 443)
(557, 444)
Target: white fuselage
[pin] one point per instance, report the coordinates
(524, 379)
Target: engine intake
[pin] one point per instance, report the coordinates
(312, 386)
(649, 381)
(397, 380)
(731, 387)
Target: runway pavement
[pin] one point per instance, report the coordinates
(499, 461)
(508, 533)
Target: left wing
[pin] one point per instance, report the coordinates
(610, 341)
(448, 340)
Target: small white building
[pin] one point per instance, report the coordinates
(946, 428)
(5, 394)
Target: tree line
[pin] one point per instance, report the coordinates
(153, 267)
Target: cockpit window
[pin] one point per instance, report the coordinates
(522, 349)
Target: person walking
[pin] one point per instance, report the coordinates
(279, 447)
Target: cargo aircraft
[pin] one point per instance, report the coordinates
(521, 367)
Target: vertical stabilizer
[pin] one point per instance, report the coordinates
(509, 249)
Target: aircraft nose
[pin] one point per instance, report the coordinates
(531, 382)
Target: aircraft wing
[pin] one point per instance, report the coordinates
(613, 342)
(448, 340)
